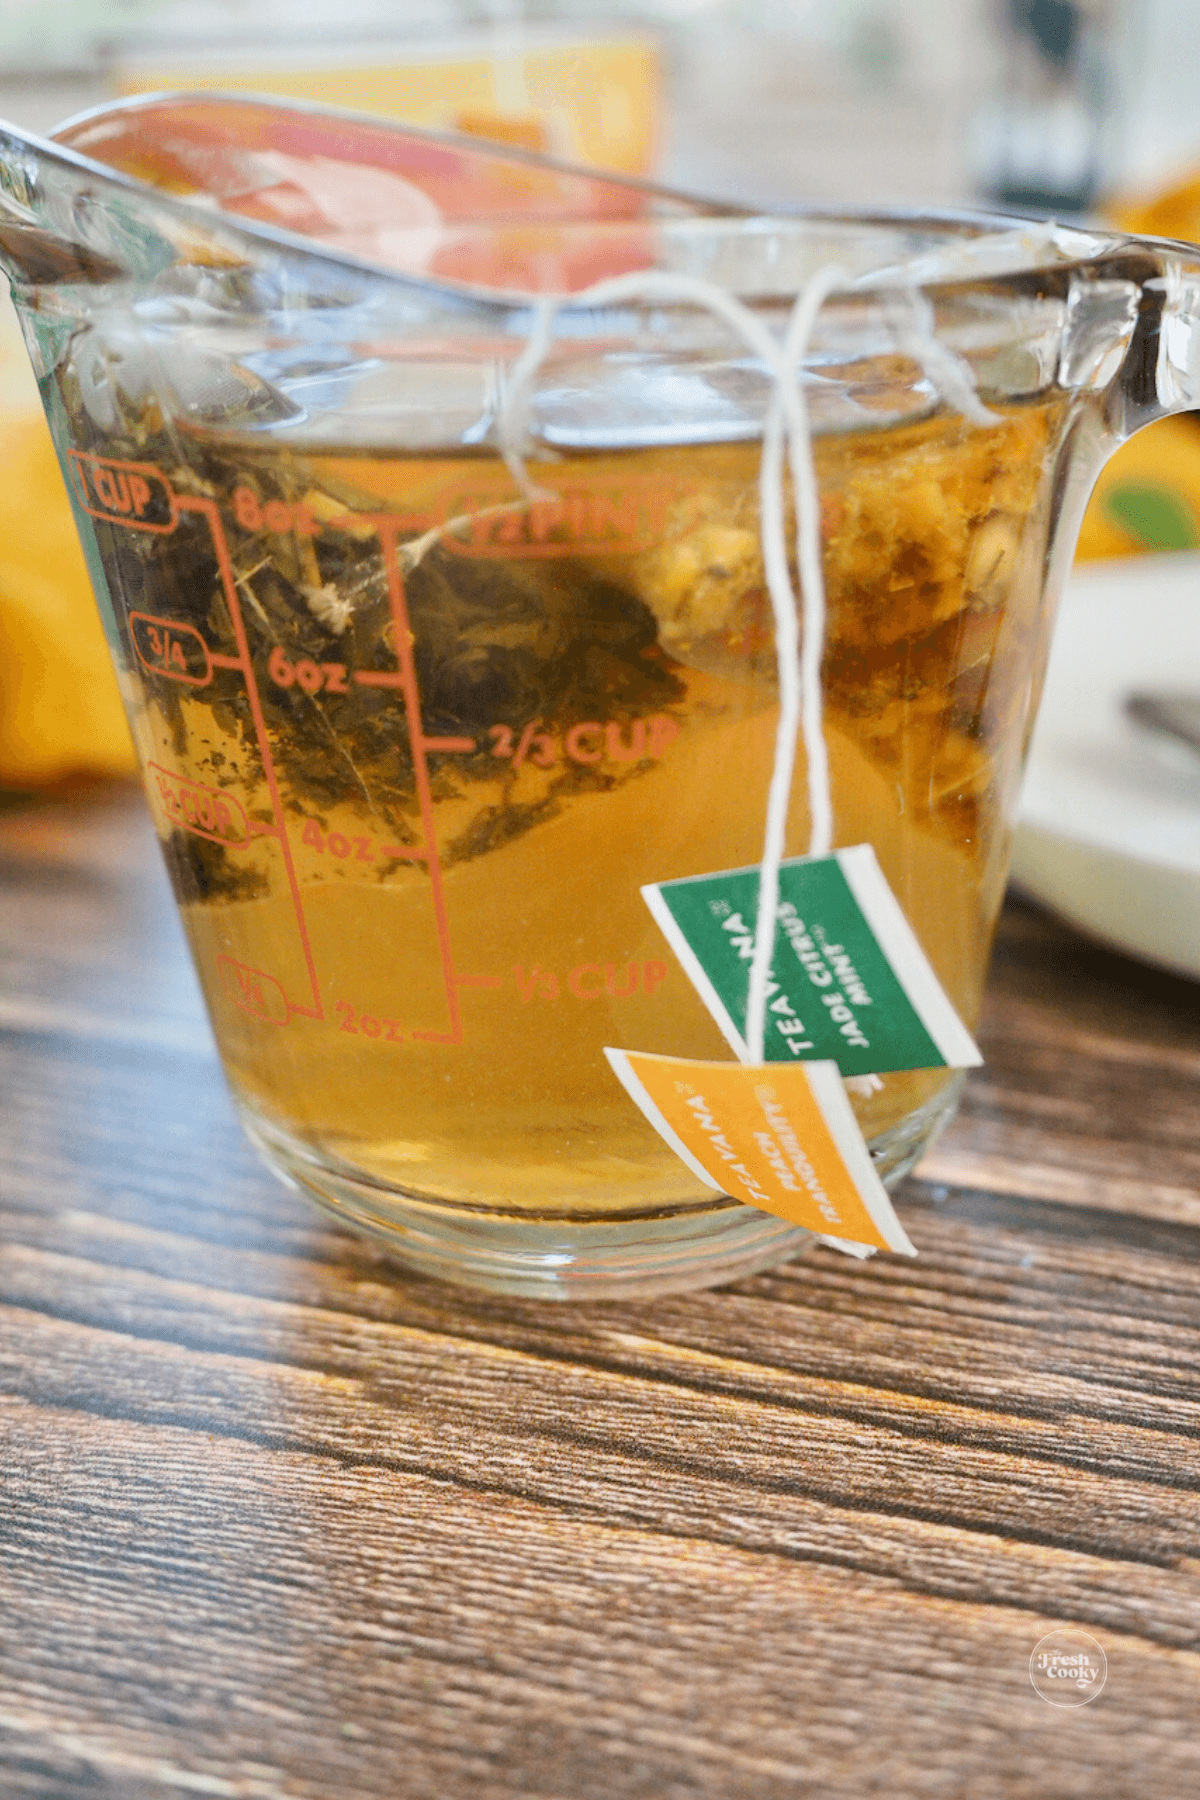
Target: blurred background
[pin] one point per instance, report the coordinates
(1032, 102)
(1075, 108)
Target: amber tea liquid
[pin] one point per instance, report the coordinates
(413, 744)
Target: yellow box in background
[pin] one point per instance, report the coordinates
(60, 711)
(589, 100)
(1148, 496)
(594, 101)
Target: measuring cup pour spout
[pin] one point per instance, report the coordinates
(437, 499)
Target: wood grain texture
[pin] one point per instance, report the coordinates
(279, 1521)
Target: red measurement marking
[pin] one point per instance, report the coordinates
(205, 811)
(128, 493)
(254, 991)
(578, 521)
(590, 981)
(337, 844)
(229, 587)
(166, 647)
(412, 707)
(257, 993)
(351, 1019)
(253, 514)
(355, 849)
(311, 676)
(590, 741)
(523, 748)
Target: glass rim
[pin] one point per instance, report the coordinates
(1008, 247)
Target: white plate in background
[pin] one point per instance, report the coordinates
(1109, 832)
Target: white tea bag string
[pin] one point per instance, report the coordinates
(799, 669)
(910, 319)
(514, 406)
(798, 655)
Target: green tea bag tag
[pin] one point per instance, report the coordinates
(849, 982)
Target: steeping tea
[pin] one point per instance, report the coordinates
(415, 742)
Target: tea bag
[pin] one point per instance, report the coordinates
(810, 1165)
(798, 655)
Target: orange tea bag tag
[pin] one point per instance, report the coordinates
(783, 1139)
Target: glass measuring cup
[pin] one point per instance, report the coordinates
(418, 719)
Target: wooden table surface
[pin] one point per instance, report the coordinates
(278, 1519)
